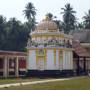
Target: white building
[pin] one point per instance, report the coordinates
(50, 51)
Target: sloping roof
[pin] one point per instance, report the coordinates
(82, 35)
(79, 50)
(12, 53)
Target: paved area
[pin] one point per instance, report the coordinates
(33, 82)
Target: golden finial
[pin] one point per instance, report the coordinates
(46, 18)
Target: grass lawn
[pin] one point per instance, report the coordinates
(74, 84)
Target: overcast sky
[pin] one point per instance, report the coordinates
(14, 8)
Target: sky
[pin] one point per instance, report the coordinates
(14, 8)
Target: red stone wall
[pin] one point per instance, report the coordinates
(22, 63)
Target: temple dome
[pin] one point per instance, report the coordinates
(47, 25)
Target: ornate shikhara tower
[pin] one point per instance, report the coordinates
(50, 51)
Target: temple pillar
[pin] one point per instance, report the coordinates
(84, 65)
(16, 68)
(78, 67)
(5, 68)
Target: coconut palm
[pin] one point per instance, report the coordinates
(69, 18)
(87, 20)
(30, 11)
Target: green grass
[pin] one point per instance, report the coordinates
(74, 84)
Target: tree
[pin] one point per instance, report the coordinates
(60, 24)
(87, 20)
(30, 13)
(69, 18)
(79, 26)
(2, 31)
(12, 35)
(17, 36)
(49, 16)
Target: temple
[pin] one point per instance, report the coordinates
(50, 51)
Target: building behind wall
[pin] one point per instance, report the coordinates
(50, 51)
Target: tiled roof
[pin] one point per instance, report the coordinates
(79, 50)
(82, 35)
(12, 53)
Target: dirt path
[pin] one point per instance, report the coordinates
(33, 82)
